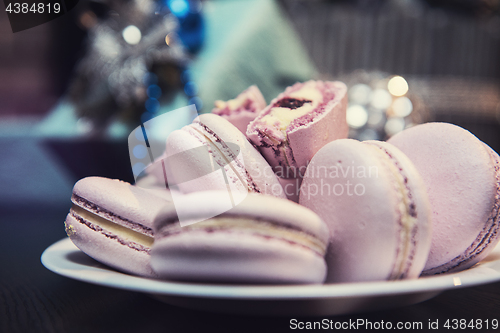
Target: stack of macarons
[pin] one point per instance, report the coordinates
(291, 200)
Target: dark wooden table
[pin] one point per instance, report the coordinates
(33, 299)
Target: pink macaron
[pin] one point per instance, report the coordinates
(212, 154)
(297, 123)
(462, 177)
(261, 240)
(112, 222)
(376, 207)
(243, 109)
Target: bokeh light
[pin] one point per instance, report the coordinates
(132, 35)
(397, 86)
(402, 107)
(152, 105)
(356, 116)
(368, 134)
(147, 116)
(190, 88)
(170, 38)
(381, 99)
(179, 8)
(154, 91)
(140, 151)
(394, 125)
(137, 168)
(360, 94)
(376, 118)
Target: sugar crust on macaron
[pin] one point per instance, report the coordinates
(462, 176)
(261, 240)
(377, 211)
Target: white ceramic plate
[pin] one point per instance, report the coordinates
(307, 300)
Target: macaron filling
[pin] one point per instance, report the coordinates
(406, 211)
(284, 111)
(234, 105)
(110, 216)
(298, 107)
(110, 229)
(252, 226)
(247, 101)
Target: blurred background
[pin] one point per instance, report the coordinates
(72, 90)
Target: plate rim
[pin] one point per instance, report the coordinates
(56, 253)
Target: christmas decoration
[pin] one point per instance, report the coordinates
(135, 58)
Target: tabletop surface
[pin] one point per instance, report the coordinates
(34, 299)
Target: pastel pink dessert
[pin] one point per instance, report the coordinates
(262, 240)
(462, 176)
(112, 222)
(243, 109)
(299, 122)
(376, 207)
(212, 154)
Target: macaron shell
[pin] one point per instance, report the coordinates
(192, 170)
(265, 240)
(422, 232)
(331, 125)
(255, 166)
(117, 201)
(461, 184)
(364, 229)
(163, 193)
(151, 185)
(235, 258)
(108, 250)
(266, 208)
(291, 187)
(241, 119)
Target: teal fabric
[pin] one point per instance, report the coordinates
(248, 42)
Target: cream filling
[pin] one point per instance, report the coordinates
(112, 227)
(407, 221)
(232, 104)
(282, 117)
(237, 102)
(251, 226)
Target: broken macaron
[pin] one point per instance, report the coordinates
(298, 123)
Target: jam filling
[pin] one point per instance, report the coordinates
(290, 103)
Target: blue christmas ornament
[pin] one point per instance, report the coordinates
(191, 25)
